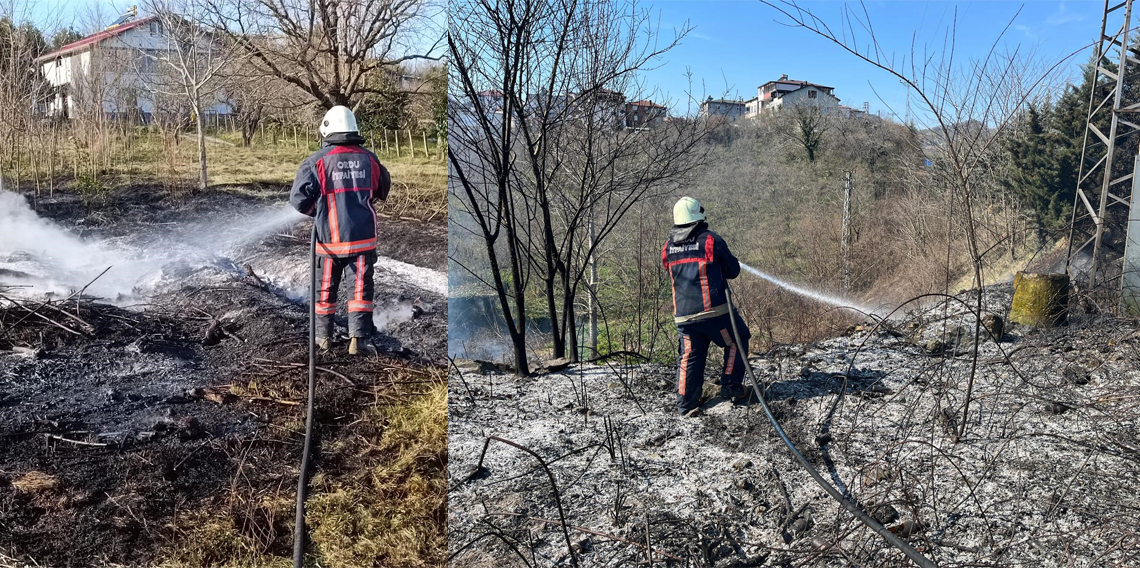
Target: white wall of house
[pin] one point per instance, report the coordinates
(809, 96)
(752, 107)
(730, 110)
(129, 67)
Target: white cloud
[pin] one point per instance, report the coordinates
(1029, 31)
(1063, 16)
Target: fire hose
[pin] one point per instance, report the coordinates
(847, 503)
(302, 481)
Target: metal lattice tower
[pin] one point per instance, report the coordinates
(1103, 198)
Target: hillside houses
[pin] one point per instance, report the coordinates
(783, 91)
(644, 114)
(774, 95)
(604, 106)
(729, 109)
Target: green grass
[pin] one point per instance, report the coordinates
(141, 156)
(386, 506)
(392, 512)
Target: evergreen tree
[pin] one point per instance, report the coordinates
(1035, 178)
(1046, 153)
(64, 36)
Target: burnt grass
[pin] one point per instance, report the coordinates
(1044, 475)
(112, 438)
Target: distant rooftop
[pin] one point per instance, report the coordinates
(646, 103)
(93, 39)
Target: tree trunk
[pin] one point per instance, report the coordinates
(202, 179)
(848, 186)
(559, 339)
(568, 329)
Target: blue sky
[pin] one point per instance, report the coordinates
(50, 15)
(739, 44)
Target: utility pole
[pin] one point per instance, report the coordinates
(1103, 202)
(907, 119)
(848, 187)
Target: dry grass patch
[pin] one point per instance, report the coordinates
(393, 512)
(419, 184)
(35, 482)
(383, 503)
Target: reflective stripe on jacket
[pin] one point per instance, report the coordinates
(336, 185)
(698, 262)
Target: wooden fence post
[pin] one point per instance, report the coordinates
(424, 132)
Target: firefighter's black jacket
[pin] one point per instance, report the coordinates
(336, 185)
(699, 262)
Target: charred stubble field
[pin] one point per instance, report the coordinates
(1044, 476)
(168, 432)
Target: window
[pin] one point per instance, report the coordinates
(155, 27)
(148, 63)
(811, 94)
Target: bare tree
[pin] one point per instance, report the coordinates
(327, 48)
(21, 86)
(546, 83)
(99, 92)
(255, 96)
(187, 62)
(968, 109)
(806, 124)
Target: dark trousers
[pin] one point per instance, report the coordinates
(330, 271)
(693, 350)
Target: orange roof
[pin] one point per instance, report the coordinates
(646, 103)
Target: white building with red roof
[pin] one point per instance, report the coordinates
(116, 68)
(787, 92)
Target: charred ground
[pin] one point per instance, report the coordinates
(169, 431)
(1042, 477)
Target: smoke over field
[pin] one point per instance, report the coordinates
(48, 259)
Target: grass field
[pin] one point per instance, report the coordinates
(141, 156)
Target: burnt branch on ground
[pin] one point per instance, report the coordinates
(1051, 451)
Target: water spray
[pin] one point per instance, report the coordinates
(46, 258)
(813, 294)
(846, 501)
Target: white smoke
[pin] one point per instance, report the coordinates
(44, 258)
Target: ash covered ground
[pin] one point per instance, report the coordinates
(1045, 474)
(187, 390)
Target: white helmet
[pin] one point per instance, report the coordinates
(688, 210)
(338, 119)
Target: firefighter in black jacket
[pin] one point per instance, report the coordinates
(698, 262)
(336, 186)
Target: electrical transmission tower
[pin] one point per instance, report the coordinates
(1099, 225)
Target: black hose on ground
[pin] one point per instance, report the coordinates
(302, 481)
(910, 552)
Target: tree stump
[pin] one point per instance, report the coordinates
(1040, 300)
